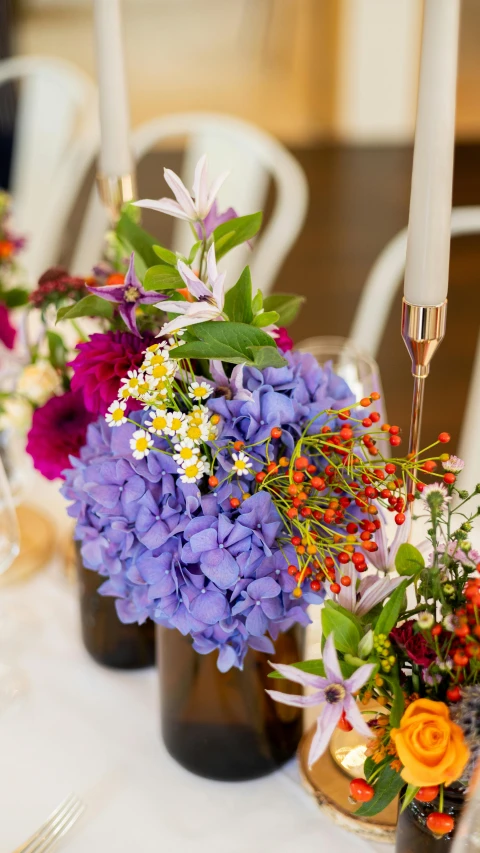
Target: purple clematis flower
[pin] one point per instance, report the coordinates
(335, 693)
(384, 558)
(127, 296)
(364, 594)
(213, 219)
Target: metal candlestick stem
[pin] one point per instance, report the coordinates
(114, 192)
(423, 329)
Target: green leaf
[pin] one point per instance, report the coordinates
(265, 318)
(162, 277)
(398, 705)
(409, 560)
(257, 302)
(89, 306)
(15, 297)
(56, 349)
(391, 610)
(193, 252)
(231, 342)
(238, 300)
(345, 632)
(166, 255)
(267, 357)
(141, 241)
(388, 785)
(408, 796)
(234, 232)
(287, 306)
(334, 605)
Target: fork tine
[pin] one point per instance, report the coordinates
(59, 829)
(57, 816)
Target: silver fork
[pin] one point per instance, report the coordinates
(59, 822)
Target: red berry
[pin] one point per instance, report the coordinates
(444, 437)
(306, 511)
(367, 422)
(352, 527)
(449, 479)
(345, 580)
(311, 469)
(343, 557)
(375, 417)
(295, 540)
(436, 630)
(394, 430)
(399, 518)
(292, 570)
(315, 586)
(317, 483)
(301, 463)
(238, 445)
(429, 465)
(276, 432)
(335, 588)
(427, 794)
(361, 791)
(346, 433)
(454, 694)
(395, 440)
(343, 724)
(390, 468)
(292, 512)
(234, 503)
(260, 476)
(460, 659)
(298, 477)
(213, 481)
(440, 823)
(365, 402)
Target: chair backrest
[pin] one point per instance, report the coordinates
(253, 157)
(373, 310)
(55, 140)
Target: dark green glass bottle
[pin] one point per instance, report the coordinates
(413, 835)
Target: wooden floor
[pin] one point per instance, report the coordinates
(359, 200)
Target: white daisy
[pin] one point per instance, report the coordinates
(197, 432)
(174, 423)
(161, 370)
(186, 451)
(140, 443)
(156, 354)
(158, 421)
(241, 463)
(198, 415)
(193, 470)
(116, 413)
(131, 381)
(436, 496)
(453, 464)
(124, 392)
(200, 390)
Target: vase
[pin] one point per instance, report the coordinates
(413, 836)
(106, 639)
(224, 725)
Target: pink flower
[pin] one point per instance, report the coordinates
(102, 362)
(8, 332)
(59, 430)
(283, 339)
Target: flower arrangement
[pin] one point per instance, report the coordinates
(415, 657)
(12, 279)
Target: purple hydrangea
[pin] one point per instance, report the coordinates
(187, 559)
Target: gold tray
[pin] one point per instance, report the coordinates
(329, 784)
(37, 544)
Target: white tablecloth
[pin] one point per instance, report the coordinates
(79, 727)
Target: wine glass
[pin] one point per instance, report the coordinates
(359, 370)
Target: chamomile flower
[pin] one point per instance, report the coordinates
(124, 392)
(131, 381)
(198, 415)
(186, 452)
(158, 422)
(241, 463)
(116, 413)
(174, 423)
(193, 470)
(162, 370)
(140, 443)
(197, 432)
(200, 390)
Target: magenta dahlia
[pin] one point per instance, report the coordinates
(58, 431)
(8, 332)
(102, 362)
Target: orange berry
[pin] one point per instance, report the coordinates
(361, 791)
(440, 823)
(213, 482)
(427, 794)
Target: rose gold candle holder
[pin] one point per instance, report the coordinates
(114, 192)
(423, 330)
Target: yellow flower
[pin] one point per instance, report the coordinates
(430, 746)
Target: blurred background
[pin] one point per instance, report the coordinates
(336, 82)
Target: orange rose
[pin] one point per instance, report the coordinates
(430, 746)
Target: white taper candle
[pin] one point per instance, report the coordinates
(428, 246)
(115, 155)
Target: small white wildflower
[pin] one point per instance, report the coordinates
(449, 622)
(186, 450)
(199, 415)
(197, 432)
(131, 381)
(116, 413)
(163, 370)
(241, 463)
(436, 496)
(200, 390)
(174, 423)
(425, 621)
(453, 464)
(158, 421)
(193, 470)
(140, 443)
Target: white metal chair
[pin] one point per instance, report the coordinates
(253, 157)
(373, 310)
(56, 137)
